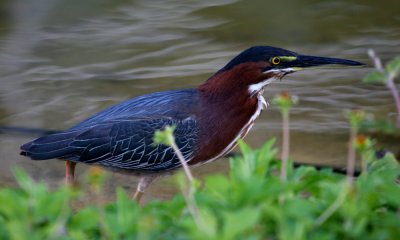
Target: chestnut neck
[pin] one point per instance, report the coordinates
(226, 107)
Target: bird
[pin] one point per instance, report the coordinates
(208, 120)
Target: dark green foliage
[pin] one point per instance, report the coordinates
(251, 203)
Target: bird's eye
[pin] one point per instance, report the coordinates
(275, 60)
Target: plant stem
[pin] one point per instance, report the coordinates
(392, 87)
(376, 59)
(334, 207)
(351, 157)
(285, 145)
(189, 196)
(389, 83)
(183, 162)
(194, 209)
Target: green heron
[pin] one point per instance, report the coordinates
(209, 119)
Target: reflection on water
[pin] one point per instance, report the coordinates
(61, 61)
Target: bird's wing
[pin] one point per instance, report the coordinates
(121, 143)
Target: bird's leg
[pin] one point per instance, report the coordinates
(143, 184)
(69, 172)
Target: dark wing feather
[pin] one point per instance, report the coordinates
(126, 144)
(48, 147)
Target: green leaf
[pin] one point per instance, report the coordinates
(388, 162)
(85, 219)
(245, 148)
(208, 225)
(265, 156)
(23, 179)
(240, 221)
(375, 77)
(218, 186)
(393, 66)
(243, 167)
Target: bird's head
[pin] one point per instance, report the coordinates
(258, 66)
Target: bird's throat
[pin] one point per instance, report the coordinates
(255, 89)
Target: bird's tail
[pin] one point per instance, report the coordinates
(52, 146)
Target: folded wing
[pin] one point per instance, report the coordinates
(120, 143)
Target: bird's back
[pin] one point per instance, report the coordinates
(175, 104)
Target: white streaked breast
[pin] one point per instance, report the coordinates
(243, 132)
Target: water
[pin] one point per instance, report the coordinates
(61, 61)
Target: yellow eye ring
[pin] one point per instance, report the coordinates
(275, 60)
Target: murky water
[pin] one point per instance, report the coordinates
(61, 61)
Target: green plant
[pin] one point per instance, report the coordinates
(246, 204)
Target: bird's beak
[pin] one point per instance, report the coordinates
(304, 61)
